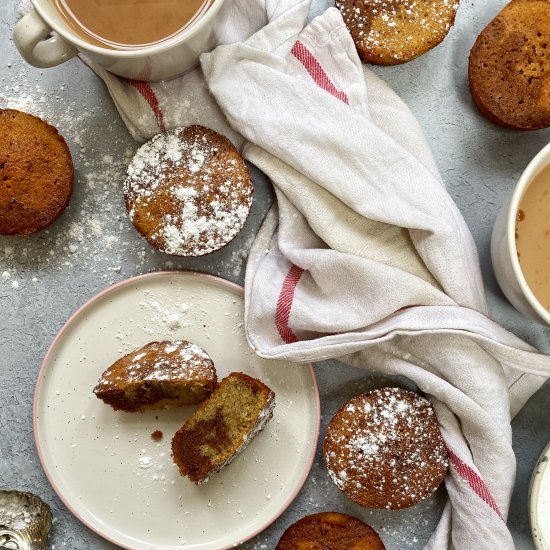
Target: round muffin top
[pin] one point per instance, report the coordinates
(509, 68)
(36, 173)
(384, 449)
(157, 362)
(188, 191)
(330, 531)
(389, 32)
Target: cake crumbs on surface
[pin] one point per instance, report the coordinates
(157, 435)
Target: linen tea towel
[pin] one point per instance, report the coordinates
(366, 258)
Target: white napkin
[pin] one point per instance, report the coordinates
(366, 258)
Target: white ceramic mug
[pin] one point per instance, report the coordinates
(504, 252)
(167, 59)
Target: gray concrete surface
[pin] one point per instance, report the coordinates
(45, 277)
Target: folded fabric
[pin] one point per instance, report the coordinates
(366, 258)
(148, 108)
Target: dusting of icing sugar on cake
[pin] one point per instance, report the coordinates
(188, 191)
(158, 375)
(389, 32)
(384, 449)
(160, 362)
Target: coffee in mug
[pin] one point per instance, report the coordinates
(129, 24)
(533, 236)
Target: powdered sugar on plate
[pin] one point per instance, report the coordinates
(166, 320)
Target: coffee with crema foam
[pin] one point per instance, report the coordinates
(533, 236)
(129, 24)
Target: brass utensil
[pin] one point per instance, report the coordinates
(25, 521)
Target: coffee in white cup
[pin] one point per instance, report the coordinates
(168, 41)
(521, 227)
(129, 24)
(533, 236)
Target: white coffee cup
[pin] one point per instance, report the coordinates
(166, 59)
(504, 252)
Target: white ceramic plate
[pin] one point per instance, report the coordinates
(105, 466)
(538, 492)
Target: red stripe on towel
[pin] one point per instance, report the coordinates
(284, 304)
(313, 67)
(149, 95)
(475, 482)
(286, 297)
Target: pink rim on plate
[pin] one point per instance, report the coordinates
(75, 317)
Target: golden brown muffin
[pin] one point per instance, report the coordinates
(36, 173)
(509, 69)
(330, 531)
(188, 191)
(390, 32)
(159, 375)
(222, 426)
(383, 449)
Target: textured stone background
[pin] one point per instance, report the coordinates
(44, 278)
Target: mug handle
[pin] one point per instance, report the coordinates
(30, 36)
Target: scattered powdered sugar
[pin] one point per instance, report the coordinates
(92, 244)
(92, 234)
(386, 443)
(198, 182)
(166, 319)
(145, 462)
